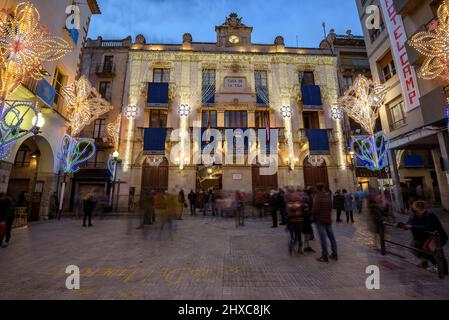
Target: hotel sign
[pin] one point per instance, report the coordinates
(398, 39)
(234, 83)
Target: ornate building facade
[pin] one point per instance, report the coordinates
(184, 91)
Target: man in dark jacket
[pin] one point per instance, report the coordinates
(322, 215)
(339, 204)
(422, 224)
(192, 201)
(88, 206)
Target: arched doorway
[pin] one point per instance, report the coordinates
(315, 174)
(32, 177)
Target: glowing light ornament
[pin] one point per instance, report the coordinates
(315, 160)
(131, 112)
(113, 130)
(184, 113)
(84, 103)
(286, 112)
(18, 120)
(24, 45)
(337, 113)
(434, 46)
(76, 151)
(362, 102)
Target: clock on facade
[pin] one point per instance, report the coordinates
(234, 39)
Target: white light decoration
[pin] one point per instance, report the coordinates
(154, 160)
(184, 110)
(286, 112)
(113, 130)
(131, 112)
(337, 113)
(24, 46)
(84, 103)
(316, 160)
(38, 121)
(434, 46)
(362, 102)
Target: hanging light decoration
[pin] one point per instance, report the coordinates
(362, 102)
(131, 112)
(74, 152)
(24, 45)
(113, 130)
(286, 112)
(84, 103)
(184, 110)
(315, 160)
(337, 113)
(434, 46)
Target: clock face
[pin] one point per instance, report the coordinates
(234, 39)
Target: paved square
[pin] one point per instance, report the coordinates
(206, 258)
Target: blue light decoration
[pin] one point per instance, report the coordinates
(76, 151)
(18, 120)
(110, 165)
(372, 150)
(447, 114)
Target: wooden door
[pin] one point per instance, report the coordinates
(155, 178)
(263, 183)
(314, 175)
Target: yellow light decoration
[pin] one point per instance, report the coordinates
(362, 102)
(434, 46)
(24, 46)
(84, 103)
(113, 130)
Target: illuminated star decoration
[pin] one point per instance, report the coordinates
(24, 46)
(362, 102)
(84, 103)
(434, 46)
(316, 160)
(184, 110)
(337, 113)
(17, 123)
(286, 112)
(113, 130)
(131, 112)
(74, 152)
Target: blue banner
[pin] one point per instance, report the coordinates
(158, 94)
(154, 140)
(311, 97)
(46, 92)
(318, 141)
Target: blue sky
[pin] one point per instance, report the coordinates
(165, 21)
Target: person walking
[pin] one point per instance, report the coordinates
(5, 218)
(89, 205)
(240, 208)
(192, 201)
(359, 197)
(349, 206)
(182, 203)
(281, 206)
(272, 206)
(295, 219)
(322, 215)
(339, 204)
(307, 229)
(422, 225)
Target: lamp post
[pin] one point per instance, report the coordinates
(115, 160)
(353, 167)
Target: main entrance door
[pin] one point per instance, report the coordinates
(314, 175)
(155, 177)
(263, 183)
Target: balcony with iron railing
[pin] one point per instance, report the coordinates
(105, 69)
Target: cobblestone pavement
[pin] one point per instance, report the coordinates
(206, 258)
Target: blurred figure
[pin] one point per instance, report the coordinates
(240, 208)
(281, 206)
(349, 206)
(359, 197)
(54, 203)
(422, 224)
(169, 208)
(322, 215)
(307, 229)
(182, 203)
(377, 211)
(6, 219)
(149, 216)
(89, 204)
(192, 201)
(339, 204)
(273, 208)
(209, 202)
(295, 219)
(405, 196)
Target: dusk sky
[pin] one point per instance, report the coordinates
(165, 21)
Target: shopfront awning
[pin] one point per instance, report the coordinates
(154, 140)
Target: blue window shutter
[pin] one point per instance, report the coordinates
(311, 97)
(158, 93)
(318, 141)
(154, 140)
(46, 92)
